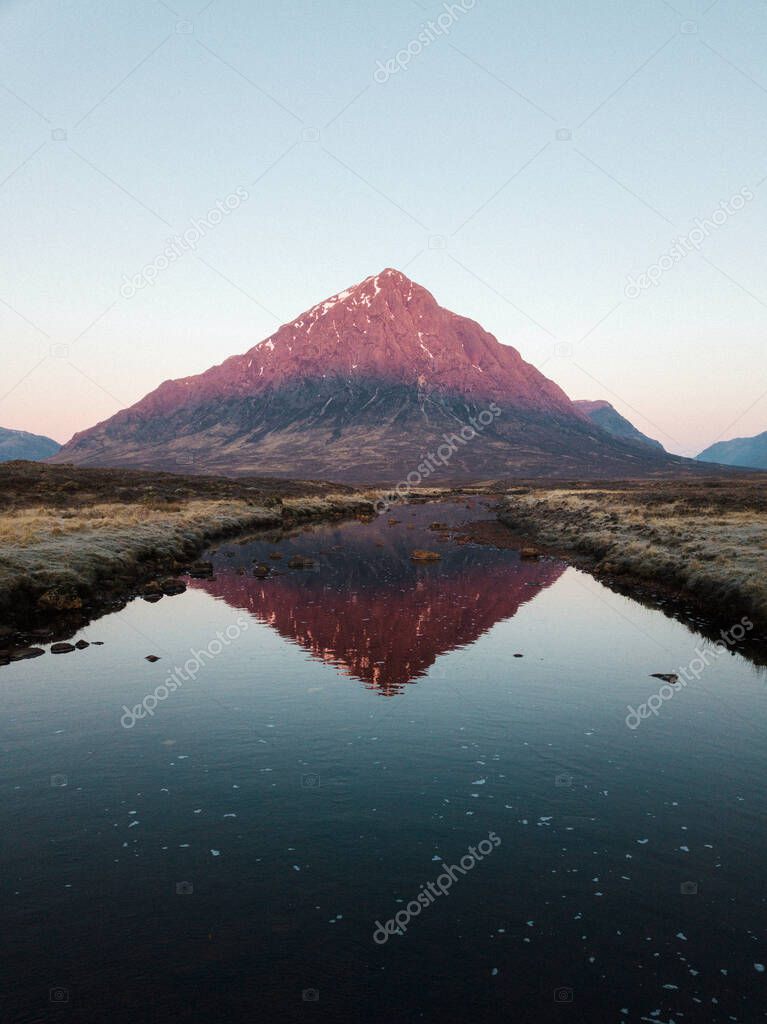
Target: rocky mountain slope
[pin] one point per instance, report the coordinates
(373, 384)
(18, 444)
(740, 451)
(606, 416)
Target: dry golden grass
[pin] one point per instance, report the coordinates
(710, 542)
(54, 554)
(31, 526)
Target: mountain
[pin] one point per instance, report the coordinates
(364, 387)
(18, 444)
(608, 418)
(750, 452)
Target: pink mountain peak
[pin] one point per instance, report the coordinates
(387, 328)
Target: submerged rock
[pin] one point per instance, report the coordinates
(425, 556)
(201, 571)
(62, 648)
(301, 562)
(261, 571)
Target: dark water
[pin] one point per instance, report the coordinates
(363, 723)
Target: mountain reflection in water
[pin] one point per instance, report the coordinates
(365, 606)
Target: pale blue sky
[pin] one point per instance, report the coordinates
(527, 161)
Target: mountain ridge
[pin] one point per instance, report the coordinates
(357, 388)
(20, 444)
(744, 452)
(606, 416)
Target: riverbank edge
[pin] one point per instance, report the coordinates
(616, 556)
(41, 602)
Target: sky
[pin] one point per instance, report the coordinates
(588, 181)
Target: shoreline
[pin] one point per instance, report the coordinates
(53, 609)
(696, 551)
(69, 555)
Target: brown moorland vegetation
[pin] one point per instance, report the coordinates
(74, 542)
(700, 540)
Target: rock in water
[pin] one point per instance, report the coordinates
(301, 562)
(62, 648)
(425, 556)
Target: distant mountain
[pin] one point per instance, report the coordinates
(750, 452)
(363, 388)
(18, 444)
(608, 418)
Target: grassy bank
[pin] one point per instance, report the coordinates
(75, 542)
(704, 540)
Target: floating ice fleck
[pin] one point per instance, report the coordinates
(216, 853)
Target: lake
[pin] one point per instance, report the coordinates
(374, 789)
